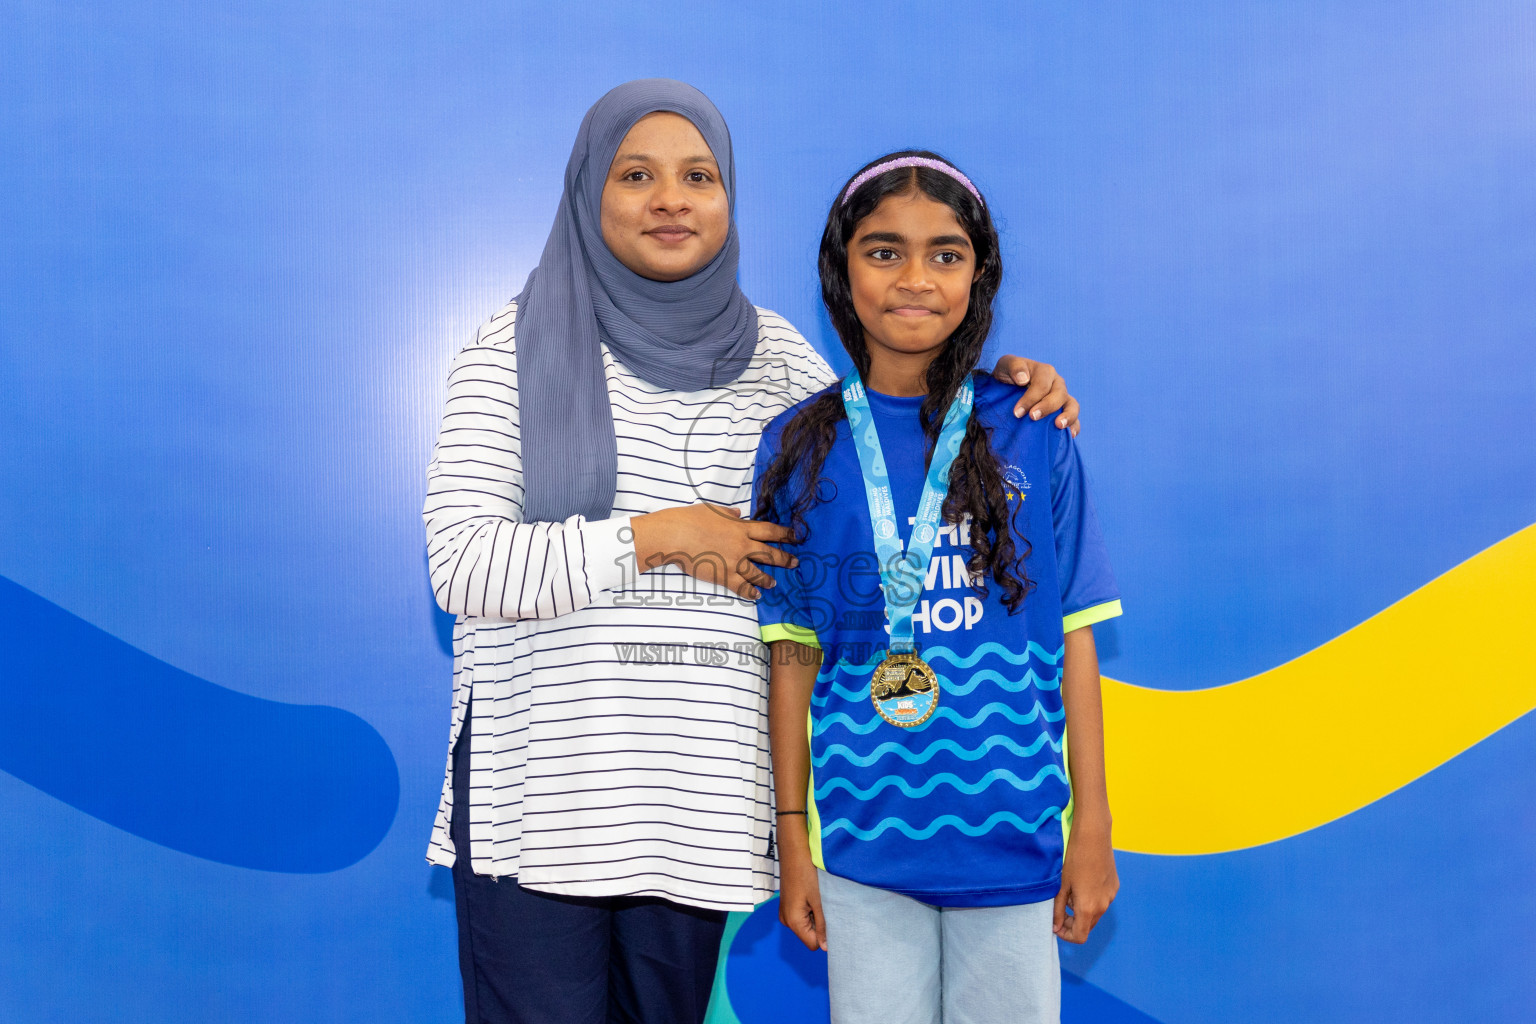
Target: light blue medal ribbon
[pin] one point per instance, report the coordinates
(903, 573)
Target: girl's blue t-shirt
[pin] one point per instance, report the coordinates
(966, 809)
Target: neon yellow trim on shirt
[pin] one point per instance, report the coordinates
(812, 819)
(1088, 616)
(789, 631)
(1066, 812)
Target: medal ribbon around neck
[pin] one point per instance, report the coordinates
(904, 689)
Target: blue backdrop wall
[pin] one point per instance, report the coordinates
(1285, 254)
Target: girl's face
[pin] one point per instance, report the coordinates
(910, 267)
(665, 213)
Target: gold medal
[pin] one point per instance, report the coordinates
(904, 689)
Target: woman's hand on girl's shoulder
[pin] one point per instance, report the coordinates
(1089, 883)
(1045, 391)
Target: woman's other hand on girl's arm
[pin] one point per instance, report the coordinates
(1089, 881)
(791, 677)
(1045, 391)
(712, 543)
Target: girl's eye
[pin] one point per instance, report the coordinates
(884, 255)
(635, 175)
(698, 177)
(948, 258)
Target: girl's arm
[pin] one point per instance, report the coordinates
(1088, 878)
(791, 677)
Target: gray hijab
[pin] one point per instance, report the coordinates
(682, 335)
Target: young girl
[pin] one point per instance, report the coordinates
(934, 691)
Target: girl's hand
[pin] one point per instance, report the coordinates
(1088, 885)
(712, 543)
(1046, 391)
(800, 901)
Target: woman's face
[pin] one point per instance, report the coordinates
(665, 213)
(910, 268)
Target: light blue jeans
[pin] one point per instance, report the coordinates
(894, 960)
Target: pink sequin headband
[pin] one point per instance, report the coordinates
(911, 161)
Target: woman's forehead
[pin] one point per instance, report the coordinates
(665, 135)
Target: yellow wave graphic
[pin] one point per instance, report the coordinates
(1293, 748)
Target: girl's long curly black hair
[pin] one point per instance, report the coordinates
(976, 483)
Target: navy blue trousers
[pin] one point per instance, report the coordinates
(536, 958)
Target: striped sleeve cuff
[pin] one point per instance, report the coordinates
(789, 631)
(1088, 616)
(608, 548)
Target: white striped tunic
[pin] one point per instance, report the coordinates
(619, 731)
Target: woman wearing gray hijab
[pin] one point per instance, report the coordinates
(607, 796)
